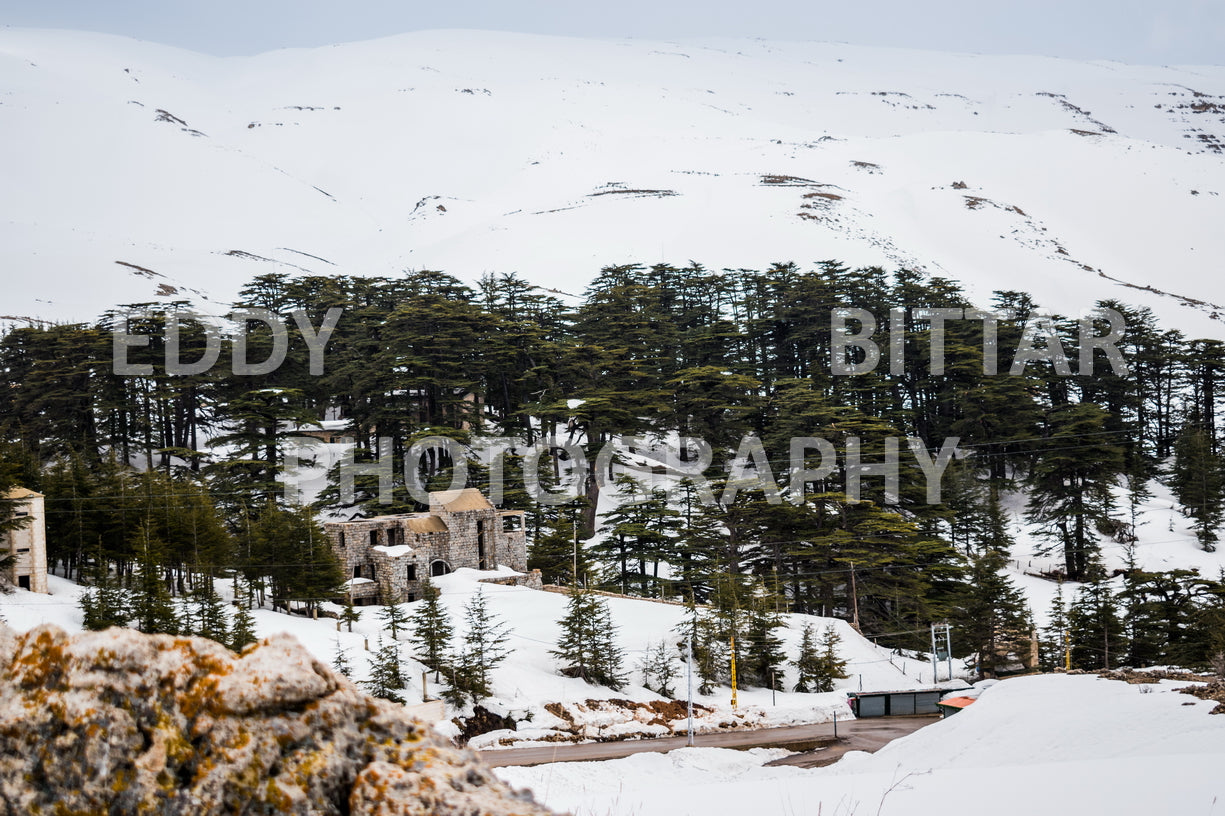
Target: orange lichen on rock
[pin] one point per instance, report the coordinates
(119, 721)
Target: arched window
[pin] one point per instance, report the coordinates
(439, 567)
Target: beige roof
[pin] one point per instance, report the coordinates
(426, 524)
(22, 493)
(458, 501)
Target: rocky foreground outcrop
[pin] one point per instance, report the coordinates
(119, 722)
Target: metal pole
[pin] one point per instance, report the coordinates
(935, 664)
(773, 690)
(854, 600)
(689, 663)
(835, 723)
(733, 644)
(948, 645)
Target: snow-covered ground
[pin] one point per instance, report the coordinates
(136, 171)
(1046, 744)
(529, 680)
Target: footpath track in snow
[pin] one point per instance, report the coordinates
(853, 735)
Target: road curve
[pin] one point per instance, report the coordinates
(814, 745)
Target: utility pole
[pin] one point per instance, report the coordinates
(733, 643)
(948, 649)
(689, 663)
(854, 601)
(935, 663)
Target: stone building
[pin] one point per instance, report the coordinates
(386, 557)
(27, 543)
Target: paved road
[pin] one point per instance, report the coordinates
(866, 735)
(853, 735)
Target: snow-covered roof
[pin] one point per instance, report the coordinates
(396, 551)
(352, 582)
(957, 702)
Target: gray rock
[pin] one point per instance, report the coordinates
(125, 723)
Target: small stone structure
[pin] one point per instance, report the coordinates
(27, 543)
(386, 557)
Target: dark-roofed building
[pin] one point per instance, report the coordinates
(386, 557)
(908, 702)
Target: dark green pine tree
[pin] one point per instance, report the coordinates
(386, 674)
(833, 667)
(1052, 645)
(699, 629)
(762, 658)
(288, 548)
(586, 648)
(106, 603)
(1070, 484)
(1164, 613)
(809, 673)
(484, 648)
(1197, 478)
(340, 660)
(639, 534)
(658, 669)
(206, 611)
(394, 619)
(818, 665)
(430, 629)
(609, 656)
(242, 630)
(555, 551)
(1095, 628)
(153, 611)
(350, 614)
(992, 616)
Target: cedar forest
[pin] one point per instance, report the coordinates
(155, 481)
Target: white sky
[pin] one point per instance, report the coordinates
(1137, 31)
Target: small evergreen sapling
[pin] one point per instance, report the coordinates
(658, 670)
(818, 664)
(394, 618)
(587, 647)
(207, 610)
(340, 659)
(242, 630)
(708, 650)
(350, 614)
(386, 676)
(430, 629)
(484, 648)
(833, 666)
(106, 603)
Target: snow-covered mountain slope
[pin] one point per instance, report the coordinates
(135, 171)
